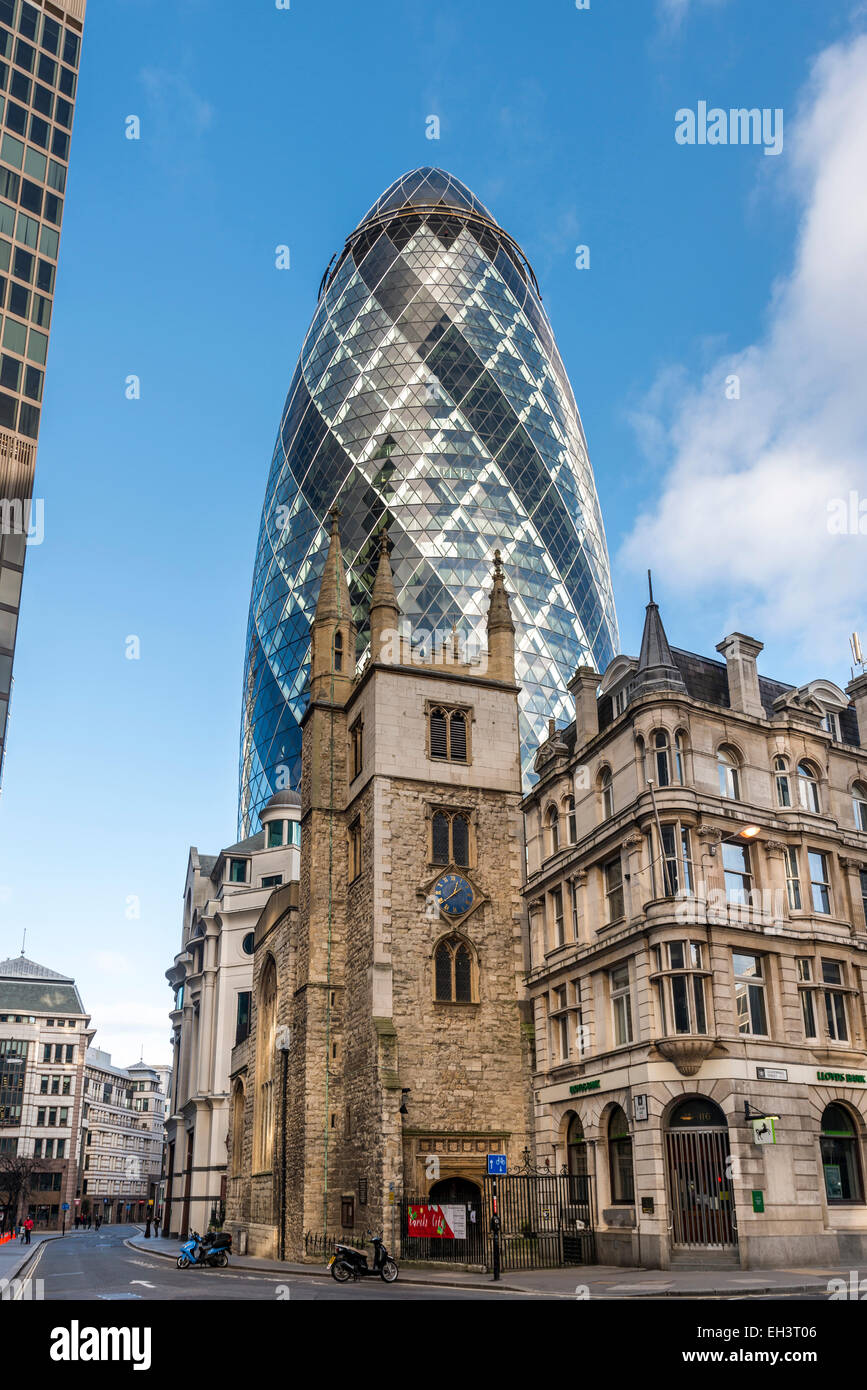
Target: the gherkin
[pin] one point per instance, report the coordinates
(430, 395)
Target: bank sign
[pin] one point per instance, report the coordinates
(845, 1077)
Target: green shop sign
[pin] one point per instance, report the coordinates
(841, 1076)
(584, 1086)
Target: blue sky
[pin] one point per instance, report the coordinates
(262, 127)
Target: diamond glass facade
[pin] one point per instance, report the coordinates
(429, 395)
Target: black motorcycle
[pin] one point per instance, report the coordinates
(347, 1263)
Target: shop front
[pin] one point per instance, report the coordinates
(761, 1167)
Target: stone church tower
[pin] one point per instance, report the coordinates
(399, 983)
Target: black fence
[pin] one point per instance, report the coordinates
(546, 1221)
(318, 1243)
(468, 1249)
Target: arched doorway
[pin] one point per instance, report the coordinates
(700, 1192)
(461, 1193)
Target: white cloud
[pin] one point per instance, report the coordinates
(741, 510)
(672, 13)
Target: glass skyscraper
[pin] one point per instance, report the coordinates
(429, 395)
(40, 47)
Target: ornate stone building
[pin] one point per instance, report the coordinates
(387, 1055)
(121, 1144)
(44, 1033)
(212, 979)
(697, 861)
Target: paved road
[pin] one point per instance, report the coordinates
(98, 1265)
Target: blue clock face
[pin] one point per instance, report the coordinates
(453, 894)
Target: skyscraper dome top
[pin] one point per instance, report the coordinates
(426, 189)
(436, 195)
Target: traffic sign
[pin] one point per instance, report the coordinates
(64, 1206)
(497, 1166)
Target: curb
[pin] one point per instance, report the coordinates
(21, 1270)
(696, 1294)
(320, 1272)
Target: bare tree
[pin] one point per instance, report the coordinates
(16, 1175)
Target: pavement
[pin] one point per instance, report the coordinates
(104, 1266)
(14, 1254)
(599, 1281)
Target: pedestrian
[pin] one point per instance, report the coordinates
(28, 1227)
(156, 1226)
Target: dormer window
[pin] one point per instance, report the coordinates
(237, 871)
(831, 724)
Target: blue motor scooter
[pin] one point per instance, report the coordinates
(213, 1250)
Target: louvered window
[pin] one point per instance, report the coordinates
(458, 731)
(449, 734)
(439, 747)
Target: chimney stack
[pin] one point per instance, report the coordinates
(583, 687)
(857, 692)
(740, 654)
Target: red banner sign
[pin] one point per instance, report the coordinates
(428, 1221)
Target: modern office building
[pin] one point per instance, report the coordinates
(40, 46)
(44, 1032)
(697, 891)
(121, 1145)
(429, 397)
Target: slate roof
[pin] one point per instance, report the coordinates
(20, 968)
(707, 680)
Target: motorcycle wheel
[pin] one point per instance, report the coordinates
(183, 1262)
(389, 1271)
(221, 1261)
(341, 1271)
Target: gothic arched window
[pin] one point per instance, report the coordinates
(453, 971)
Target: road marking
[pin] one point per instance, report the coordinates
(144, 1282)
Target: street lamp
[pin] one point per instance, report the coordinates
(747, 832)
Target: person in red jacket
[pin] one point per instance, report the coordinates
(28, 1227)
